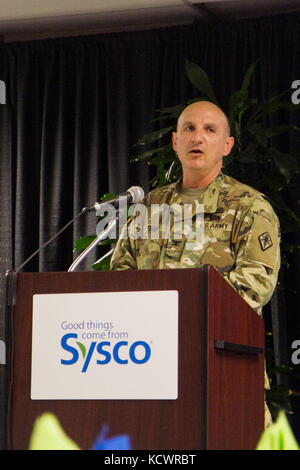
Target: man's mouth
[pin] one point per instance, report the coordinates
(196, 152)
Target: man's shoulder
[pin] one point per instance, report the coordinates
(233, 187)
(243, 194)
(161, 194)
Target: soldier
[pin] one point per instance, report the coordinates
(241, 230)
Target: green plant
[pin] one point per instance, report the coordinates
(253, 160)
(280, 392)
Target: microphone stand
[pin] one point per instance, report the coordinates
(95, 242)
(110, 252)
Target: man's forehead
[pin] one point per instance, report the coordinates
(193, 113)
(204, 111)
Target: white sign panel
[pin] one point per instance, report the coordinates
(112, 345)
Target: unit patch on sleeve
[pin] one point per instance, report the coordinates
(265, 241)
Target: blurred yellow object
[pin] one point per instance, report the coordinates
(278, 436)
(48, 434)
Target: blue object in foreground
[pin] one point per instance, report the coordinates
(120, 442)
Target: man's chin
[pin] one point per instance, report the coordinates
(196, 165)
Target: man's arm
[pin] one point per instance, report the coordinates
(123, 256)
(257, 250)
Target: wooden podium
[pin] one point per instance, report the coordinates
(220, 401)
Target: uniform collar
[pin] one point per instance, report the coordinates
(210, 196)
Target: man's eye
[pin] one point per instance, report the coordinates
(211, 129)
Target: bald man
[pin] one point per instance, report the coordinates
(241, 231)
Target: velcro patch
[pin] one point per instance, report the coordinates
(263, 242)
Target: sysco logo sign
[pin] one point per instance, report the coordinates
(79, 339)
(103, 352)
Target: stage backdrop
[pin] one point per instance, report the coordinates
(75, 108)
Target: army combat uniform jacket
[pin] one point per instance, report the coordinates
(240, 238)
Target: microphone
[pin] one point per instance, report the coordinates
(133, 195)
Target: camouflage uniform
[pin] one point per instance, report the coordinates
(241, 240)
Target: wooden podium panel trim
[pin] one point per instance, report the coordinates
(235, 381)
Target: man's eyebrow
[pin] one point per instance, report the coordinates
(187, 123)
(206, 124)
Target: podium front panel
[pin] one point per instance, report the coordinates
(151, 424)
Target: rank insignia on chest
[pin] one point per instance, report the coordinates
(265, 241)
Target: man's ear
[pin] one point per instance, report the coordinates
(174, 141)
(228, 146)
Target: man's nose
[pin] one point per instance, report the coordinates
(197, 135)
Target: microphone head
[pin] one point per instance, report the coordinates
(137, 194)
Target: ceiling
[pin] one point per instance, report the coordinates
(35, 19)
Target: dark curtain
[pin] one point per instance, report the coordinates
(76, 107)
